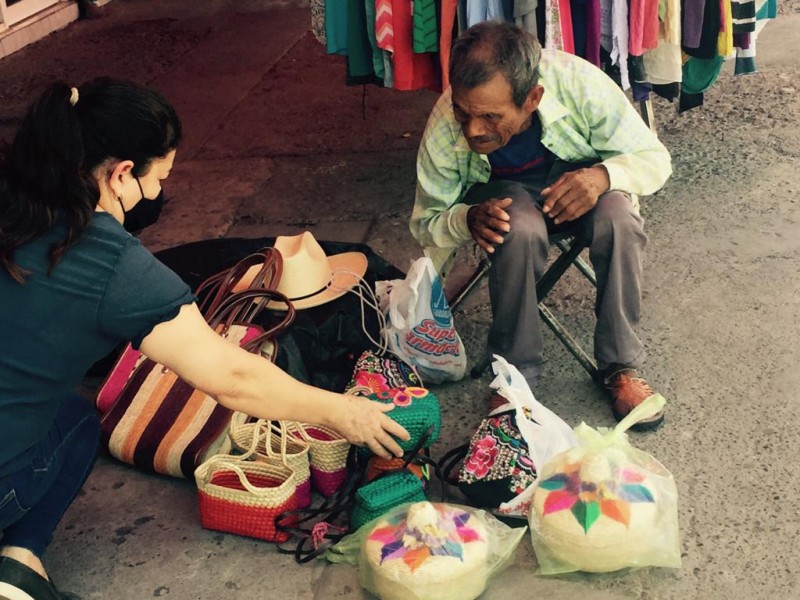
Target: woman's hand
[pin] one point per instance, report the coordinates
(364, 423)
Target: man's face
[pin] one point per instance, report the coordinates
(488, 116)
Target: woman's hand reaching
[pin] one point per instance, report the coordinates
(365, 423)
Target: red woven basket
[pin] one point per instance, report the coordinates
(245, 497)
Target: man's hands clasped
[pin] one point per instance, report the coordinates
(570, 197)
(487, 220)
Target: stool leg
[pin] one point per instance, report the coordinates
(469, 286)
(586, 361)
(479, 369)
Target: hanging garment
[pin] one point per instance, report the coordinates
(746, 57)
(699, 74)
(614, 36)
(744, 16)
(446, 36)
(663, 64)
(586, 29)
(425, 33)
(693, 11)
(710, 32)
(479, 11)
(359, 50)
(643, 19)
(669, 13)
(384, 30)
(377, 53)
(336, 26)
(725, 37)
(593, 32)
(318, 21)
(525, 16)
(558, 26)
(411, 71)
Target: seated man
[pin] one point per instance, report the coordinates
(524, 143)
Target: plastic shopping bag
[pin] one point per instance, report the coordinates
(429, 551)
(605, 505)
(419, 324)
(544, 432)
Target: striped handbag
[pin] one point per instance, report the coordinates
(160, 422)
(211, 293)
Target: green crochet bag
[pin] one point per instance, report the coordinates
(417, 410)
(384, 493)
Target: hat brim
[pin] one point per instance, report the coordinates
(348, 269)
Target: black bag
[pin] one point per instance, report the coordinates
(323, 344)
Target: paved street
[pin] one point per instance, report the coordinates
(276, 143)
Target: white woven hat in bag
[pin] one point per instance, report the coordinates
(597, 513)
(429, 551)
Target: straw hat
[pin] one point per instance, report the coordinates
(310, 278)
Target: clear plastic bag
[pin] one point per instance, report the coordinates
(605, 505)
(429, 551)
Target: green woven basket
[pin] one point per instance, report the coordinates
(416, 409)
(381, 495)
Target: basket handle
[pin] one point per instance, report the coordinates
(229, 462)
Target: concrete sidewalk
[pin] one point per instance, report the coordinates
(276, 143)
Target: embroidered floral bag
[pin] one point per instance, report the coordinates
(497, 466)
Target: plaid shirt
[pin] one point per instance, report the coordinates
(584, 116)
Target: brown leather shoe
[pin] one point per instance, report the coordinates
(628, 391)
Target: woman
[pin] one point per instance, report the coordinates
(74, 284)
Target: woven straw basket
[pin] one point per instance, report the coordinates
(328, 455)
(245, 497)
(273, 444)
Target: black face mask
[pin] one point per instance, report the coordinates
(144, 214)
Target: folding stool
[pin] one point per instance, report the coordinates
(571, 245)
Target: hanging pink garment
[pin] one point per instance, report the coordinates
(593, 32)
(643, 15)
(558, 26)
(384, 29)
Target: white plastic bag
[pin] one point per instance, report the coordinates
(605, 505)
(419, 324)
(543, 430)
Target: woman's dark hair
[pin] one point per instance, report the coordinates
(48, 169)
(494, 47)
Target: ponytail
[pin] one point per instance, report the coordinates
(41, 176)
(47, 172)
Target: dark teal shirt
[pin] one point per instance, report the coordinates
(107, 289)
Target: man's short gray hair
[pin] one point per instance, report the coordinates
(494, 47)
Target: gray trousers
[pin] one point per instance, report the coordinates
(618, 242)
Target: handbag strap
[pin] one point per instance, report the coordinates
(216, 288)
(449, 461)
(242, 307)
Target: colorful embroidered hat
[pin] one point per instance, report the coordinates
(598, 513)
(428, 551)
